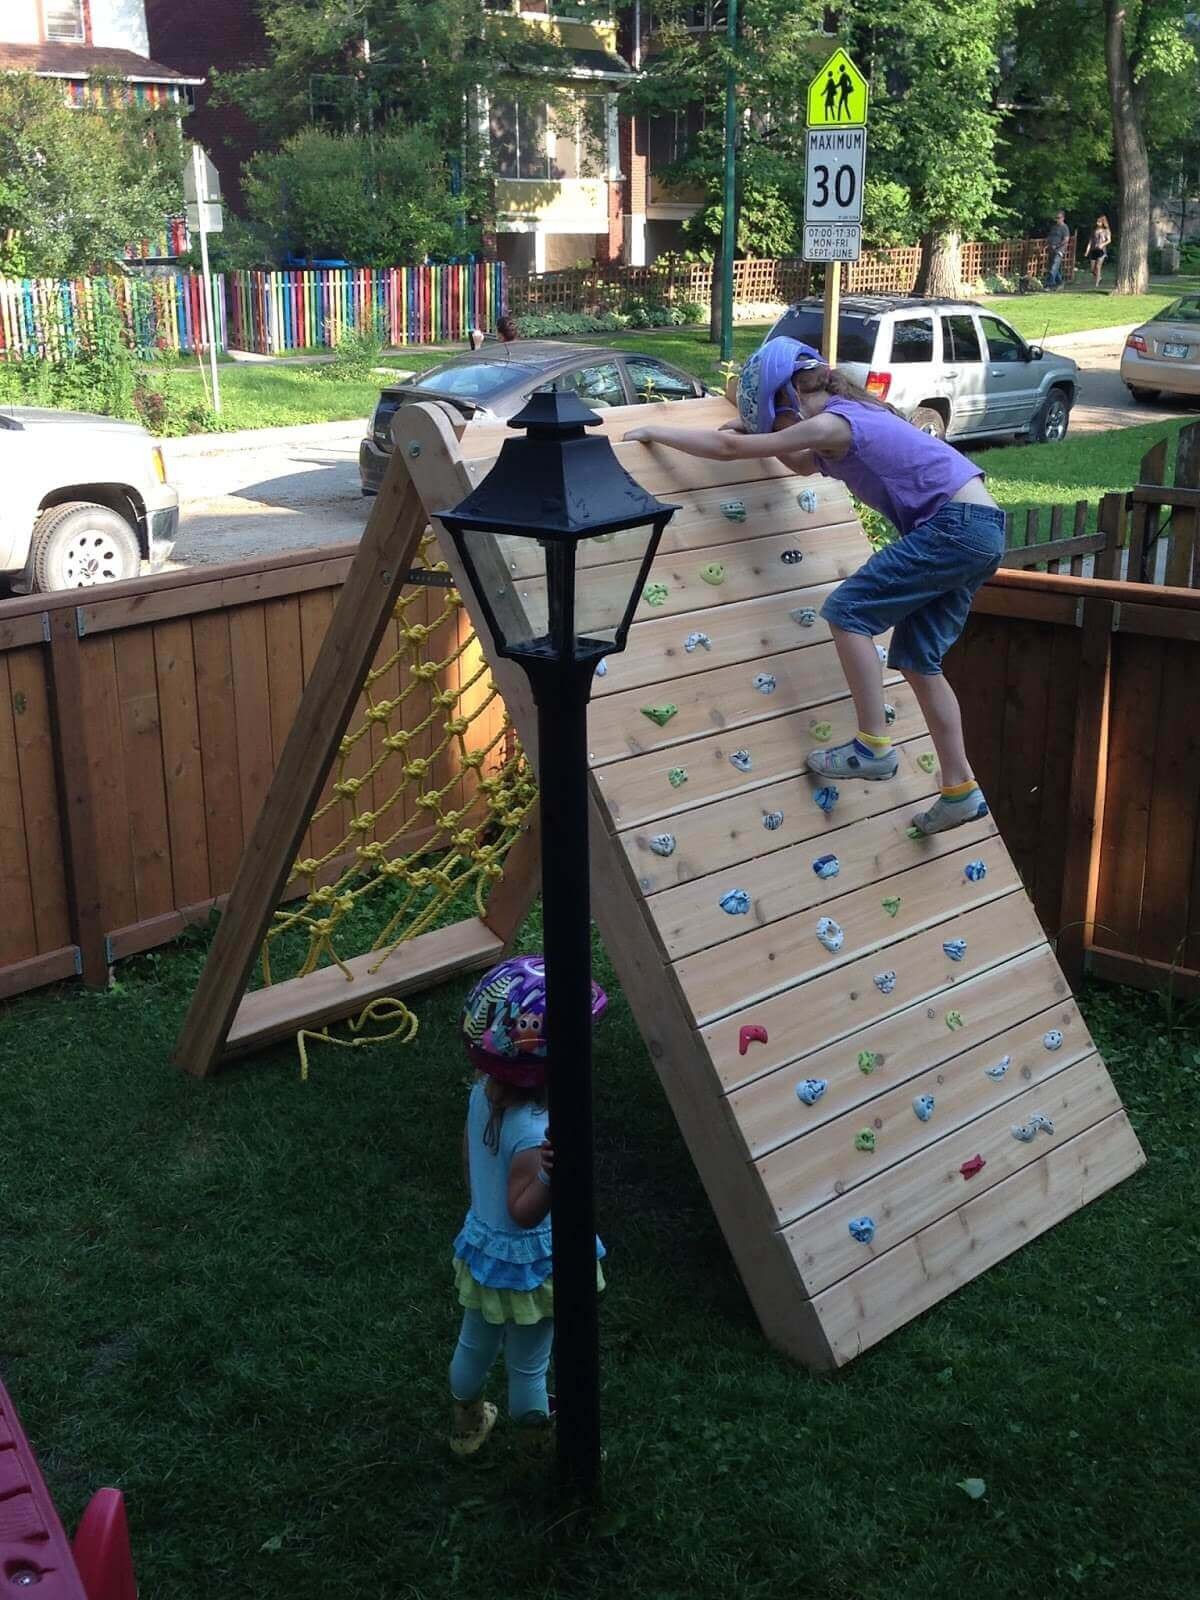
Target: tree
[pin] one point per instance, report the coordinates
(79, 185)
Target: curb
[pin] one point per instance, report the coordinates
(217, 444)
(1090, 336)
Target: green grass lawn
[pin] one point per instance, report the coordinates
(230, 1298)
(1038, 316)
(255, 395)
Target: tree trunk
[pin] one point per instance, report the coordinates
(940, 272)
(1133, 166)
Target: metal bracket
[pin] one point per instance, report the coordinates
(80, 622)
(78, 962)
(46, 630)
(1116, 617)
(427, 578)
(1079, 613)
(109, 957)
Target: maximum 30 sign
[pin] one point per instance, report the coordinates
(833, 182)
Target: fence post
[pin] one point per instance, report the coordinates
(1110, 520)
(1181, 551)
(1085, 800)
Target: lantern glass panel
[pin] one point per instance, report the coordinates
(510, 577)
(607, 575)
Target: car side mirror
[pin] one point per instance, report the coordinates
(1035, 353)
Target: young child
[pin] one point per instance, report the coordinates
(502, 1256)
(792, 405)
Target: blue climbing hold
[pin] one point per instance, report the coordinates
(736, 902)
(742, 760)
(923, 1107)
(602, 669)
(663, 844)
(811, 1090)
(975, 871)
(956, 949)
(862, 1229)
(1053, 1039)
(765, 682)
(827, 796)
(772, 820)
(826, 866)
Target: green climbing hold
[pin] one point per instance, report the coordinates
(660, 714)
(954, 1020)
(820, 730)
(713, 573)
(913, 831)
(891, 904)
(655, 593)
(867, 1061)
(864, 1140)
(927, 761)
(677, 777)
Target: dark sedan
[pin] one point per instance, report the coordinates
(493, 383)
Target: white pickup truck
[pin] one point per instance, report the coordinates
(83, 500)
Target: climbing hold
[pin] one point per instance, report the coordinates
(885, 982)
(956, 949)
(971, 1167)
(772, 820)
(765, 682)
(923, 1107)
(862, 1229)
(804, 615)
(752, 1033)
(736, 902)
(811, 1090)
(927, 761)
(663, 844)
(913, 832)
(867, 1062)
(826, 866)
(792, 558)
(735, 510)
(742, 760)
(827, 796)
(881, 652)
(891, 904)
(820, 730)
(677, 777)
(696, 641)
(830, 934)
(602, 669)
(1040, 1120)
(806, 500)
(975, 871)
(1001, 1067)
(1053, 1039)
(864, 1139)
(660, 714)
(713, 572)
(1024, 1131)
(954, 1020)
(889, 714)
(655, 593)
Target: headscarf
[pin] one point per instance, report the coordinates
(769, 369)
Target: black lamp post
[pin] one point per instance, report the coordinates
(518, 534)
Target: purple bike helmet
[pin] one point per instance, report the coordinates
(504, 1021)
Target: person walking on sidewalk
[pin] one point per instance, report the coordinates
(1057, 241)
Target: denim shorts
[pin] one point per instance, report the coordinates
(921, 585)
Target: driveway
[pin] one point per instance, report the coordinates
(1104, 402)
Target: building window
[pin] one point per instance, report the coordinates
(705, 14)
(672, 136)
(64, 21)
(518, 139)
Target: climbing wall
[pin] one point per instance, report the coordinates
(867, 1041)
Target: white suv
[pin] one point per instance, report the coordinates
(85, 500)
(954, 368)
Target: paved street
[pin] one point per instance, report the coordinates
(296, 489)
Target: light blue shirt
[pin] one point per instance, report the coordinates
(498, 1251)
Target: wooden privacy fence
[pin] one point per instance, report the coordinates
(52, 318)
(138, 733)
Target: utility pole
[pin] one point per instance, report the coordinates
(729, 230)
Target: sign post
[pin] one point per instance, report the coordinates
(202, 195)
(835, 172)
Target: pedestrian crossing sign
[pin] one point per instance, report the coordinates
(837, 96)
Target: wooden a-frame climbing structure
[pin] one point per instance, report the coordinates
(867, 1041)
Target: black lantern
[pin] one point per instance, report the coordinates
(519, 535)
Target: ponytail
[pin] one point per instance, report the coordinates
(831, 380)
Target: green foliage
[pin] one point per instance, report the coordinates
(375, 201)
(241, 246)
(356, 354)
(554, 324)
(78, 185)
(767, 224)
(98, 374)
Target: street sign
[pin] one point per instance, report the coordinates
(837, 96)
(832, 242)
(201, 180)
(833, 175)
(207, 218)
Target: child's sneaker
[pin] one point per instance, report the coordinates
(944, 813)
(470, 1426)
(853, 760)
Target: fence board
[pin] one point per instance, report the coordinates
(1136, 681)
(142, 757)
(175, 668)
(18, 935)
(1173, 789)
(39, 797)
(218, 716)
(252, 699)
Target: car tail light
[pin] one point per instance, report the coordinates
(1136, 342)
(878, 384)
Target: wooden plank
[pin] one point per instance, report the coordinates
(1135, 685)
(326, 996)
(251, 709)
(482, 440)
(75, 784)
(977, 668)
(32, 727)
(1157, 622)
(639, 790)
(1155, 494)
(1086, 791)
(175, 668)
(141, 754)
(759, 963)
(1169, 914)
(327, 833)
(894, 1288)
(49, 967)
(250, 584)
(1053, 585)
(838, 1004)
(908, 1047)
(1052, 773)
(112, 841)
(18, 631)
(218, 747)
(1143, 522)
(1181, 551)
(724, 699)
(993, 601)
(1118, 966)
(1060, 549)
(285, 684)
(18, 934)
(1110, 519)
(509, 900)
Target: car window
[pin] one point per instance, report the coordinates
(596, 386)
(856, 333)
(474, 379)
(1185, 310)
(912, 340)
(960, 339)
(1003, 344)
(653, 380)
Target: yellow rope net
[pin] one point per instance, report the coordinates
(430, 791)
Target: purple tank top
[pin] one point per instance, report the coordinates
(895, 468)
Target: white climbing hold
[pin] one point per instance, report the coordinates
(1024, 1131)
(1001, 1067)
(663, 844)
(830, 934)
(807, 500)
(881, 652)
(804, 615)
(602, 669)
(772, 820)
(742, 760)
(1052, 1040)
(765, 682)
(697, 641)
(923, 1107)
(885, 982)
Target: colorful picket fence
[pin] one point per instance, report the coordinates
(53, 318)
(172, 240)
(309, 308)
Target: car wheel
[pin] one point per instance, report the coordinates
(929, 421)
(79, 545)
(1144, 396)
(1052, 421)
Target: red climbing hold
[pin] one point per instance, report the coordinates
(754, 1034)
(970, 1168)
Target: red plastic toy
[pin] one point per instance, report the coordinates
(33, 1546)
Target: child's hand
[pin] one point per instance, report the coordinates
(736, 426)
(638, 436)
(547, 1154)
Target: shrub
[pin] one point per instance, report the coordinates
(996, 283)
(356, 352)
(553, 324)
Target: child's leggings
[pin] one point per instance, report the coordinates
(526, 1356)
